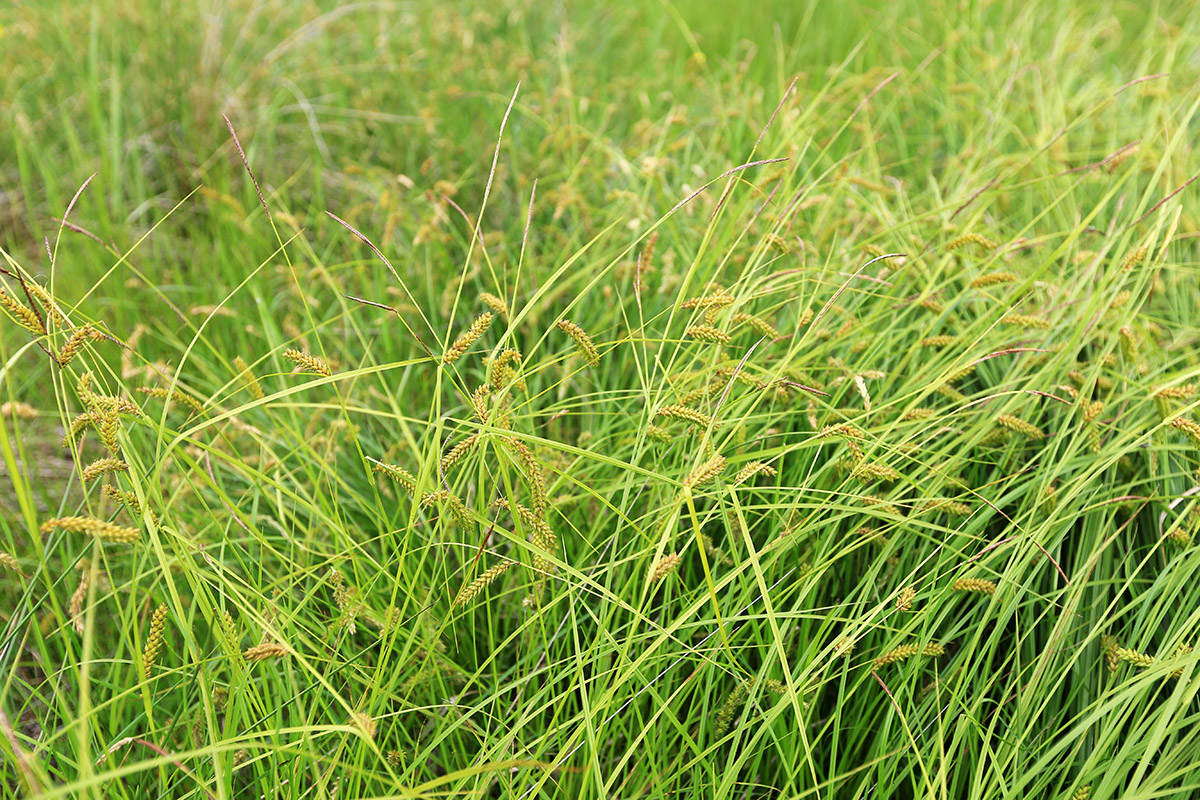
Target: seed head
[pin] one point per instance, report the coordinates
(155, 640)
(975, 585)
(104, 531)
(306, 362)
(1018, 425)
(663, 567)
(266, 650)
(583, 342)
(475, 587)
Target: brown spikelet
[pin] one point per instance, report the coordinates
(307, 362)
(459, 452)
(25, 317)
(993, 279)
(76, 342)
(706, 472)
(751, 469)
(494, 303)
(154, 640)
(971, 238)
(1018, 425)
(175, 396)
(485, 579)
(583, 342)
(686, 414)
(1189, 427)
(266, 650)
(399, 474)
(18, 410)
(905, 651)
(975, 585)
(1025, 321)
(904, 600)
(104, 531)
(662, 567)
(103, 466)
(252, 384)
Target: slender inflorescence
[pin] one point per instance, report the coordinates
(1109, 645)
(494, 303)
(154, 640)
(866, 472)
(458, 510)
(252, 384)
(307, 362)
(686, 414)
(485, 579)
(1018, 425)
(971, 238)
(533, 473)
(908, 651)
(9, 562)
(127, 499)
(1025, 321)
(104, 531)
(1189, 427)
(706, 472)
(993, 279)
(399, 474)
(459, 452)
(1131, 656)
(939, 341)
(266, 650)
(904, 600)
(975, 585)
(758, 324)
(76, 342)
(662, 567)
(583, 342)
(103, 466)
(25, 317)
(708, 333)
(175, 396)
(750, 470)
(18, 410)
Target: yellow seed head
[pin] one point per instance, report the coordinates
(494, 303)
(686, 414)
(1109, 645)
(1135, 257)
(708, 333)
(1189, 427)
(364, 723)
(18, 410)
(104, 531)
(1025, 321)
(939, 341)
(975, 585)
(866, 472)
(760, 325)
(103, 466)
(9, 562)
(459, 452)
(971, 238)
(753, 468)
(1018, 425)
(176, 396)
(252, 384)
(663, 567)
(307, 362)
(266, 650)
(399, 474)
(1140, 660)
(706, 472)
(76, 342)
(476, 587)
(155, 640)
(993, 279)
(904, 601)
(583, 342)
(25, 317)
(533, 473)
(905, 651)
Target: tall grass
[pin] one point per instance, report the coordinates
(568, 400)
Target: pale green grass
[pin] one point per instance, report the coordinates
(876, 136)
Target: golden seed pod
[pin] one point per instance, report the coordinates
(1109, 645)
(662, 567)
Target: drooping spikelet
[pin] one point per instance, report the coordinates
(583, 342)
(25, 317)
(399, 474)
(485, 579)
(9, 562)
(47, 303)
(993, 279)
(1018, 425)
(18, 410)
(758, 324)
(127, 499)
(75, 607)
(1136, 256)
(175, 396)
(730, 707)
(951, 507)
(307, 362)
(458, 509)
(971, 238)
(1189, 427)
(1025, 321)
(104, 531)
(1129, 343)
(479, 403)
(364, 722)
(939, 341)
(459, 452)
(708, 333)
(976, 585)
(753, 468)
(103, 466)
(658, 433)
(1131, 656)
(904, 600)
(494, 303)
(918, 414)
(662, 567)
(76, 342)
(866, 472)
(533, 473)
(686, 414)
(1109, 645)
(345, 598)
(1182, 650)
(266, 650)
(709, 302)
(706, 472)
(256, 390)
(154, 640)
(908, 651)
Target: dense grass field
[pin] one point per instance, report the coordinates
(585, 400)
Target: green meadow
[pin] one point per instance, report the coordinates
(654, 399)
